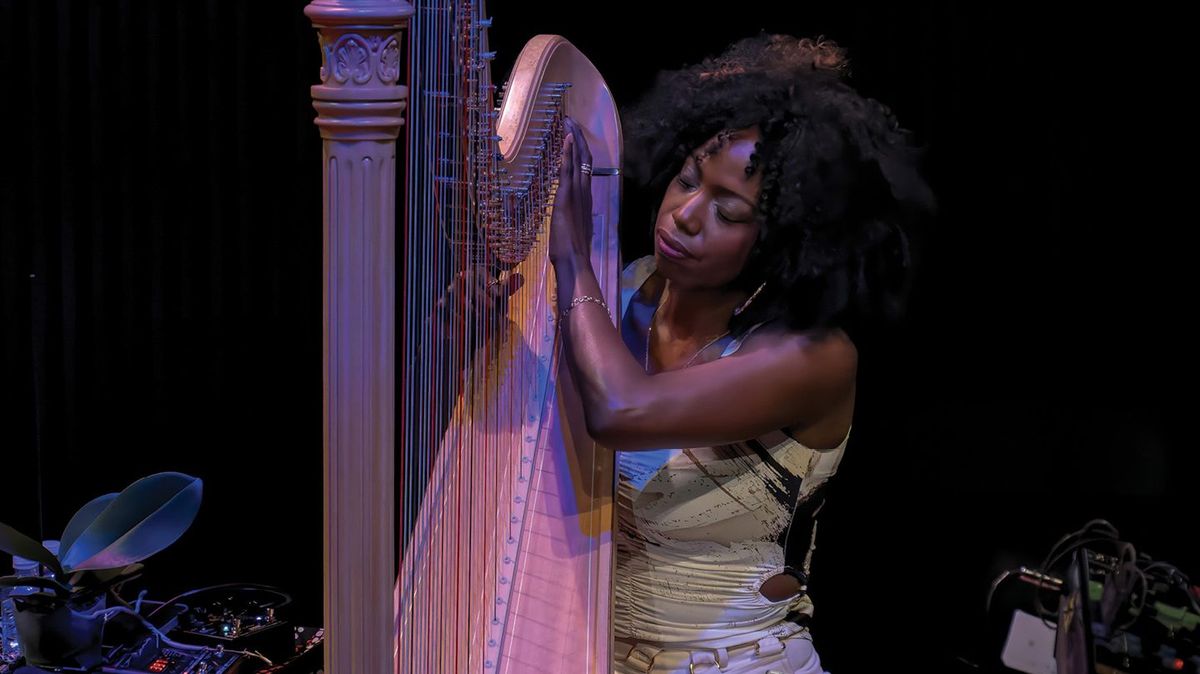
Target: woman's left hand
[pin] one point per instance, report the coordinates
(571, 220)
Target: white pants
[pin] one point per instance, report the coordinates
(792, 655)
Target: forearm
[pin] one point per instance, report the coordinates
(604, 371)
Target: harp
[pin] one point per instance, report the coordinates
(505, 503)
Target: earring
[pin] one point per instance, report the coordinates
(743, 307)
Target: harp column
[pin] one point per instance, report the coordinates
(360, 104)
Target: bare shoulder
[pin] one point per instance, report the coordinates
(816, 373)
(829, 349)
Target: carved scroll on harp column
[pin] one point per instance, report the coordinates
(360, 102)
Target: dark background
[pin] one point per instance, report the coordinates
(160, 287)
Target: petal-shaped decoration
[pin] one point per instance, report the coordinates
(146, 517)
(82, 519)
(18, 544)
(42, 582)
(87, 585)
(107, 576)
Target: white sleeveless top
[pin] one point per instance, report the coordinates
(700, 529)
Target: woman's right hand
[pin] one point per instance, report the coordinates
(473, 294)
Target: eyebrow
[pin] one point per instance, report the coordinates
(720, 188)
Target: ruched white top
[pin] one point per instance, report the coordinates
(700, 529)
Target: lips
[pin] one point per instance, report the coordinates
(671, 247)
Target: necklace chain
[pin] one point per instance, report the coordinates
(650, 333)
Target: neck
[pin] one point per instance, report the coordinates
(690, 313)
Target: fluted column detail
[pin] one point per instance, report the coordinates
(360, 104)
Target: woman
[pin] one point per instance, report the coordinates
(729, 387)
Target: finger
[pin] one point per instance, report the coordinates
(585, 153)
(585, 157)
(515, 282)
(505, 286)
(567, 169)
(575, 137)
(496, 287)
(583, 179)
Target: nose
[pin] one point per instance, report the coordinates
(687, 215)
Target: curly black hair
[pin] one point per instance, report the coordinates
(841, 184)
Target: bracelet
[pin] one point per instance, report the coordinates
(562, 315)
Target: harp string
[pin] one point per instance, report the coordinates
(470, 384)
